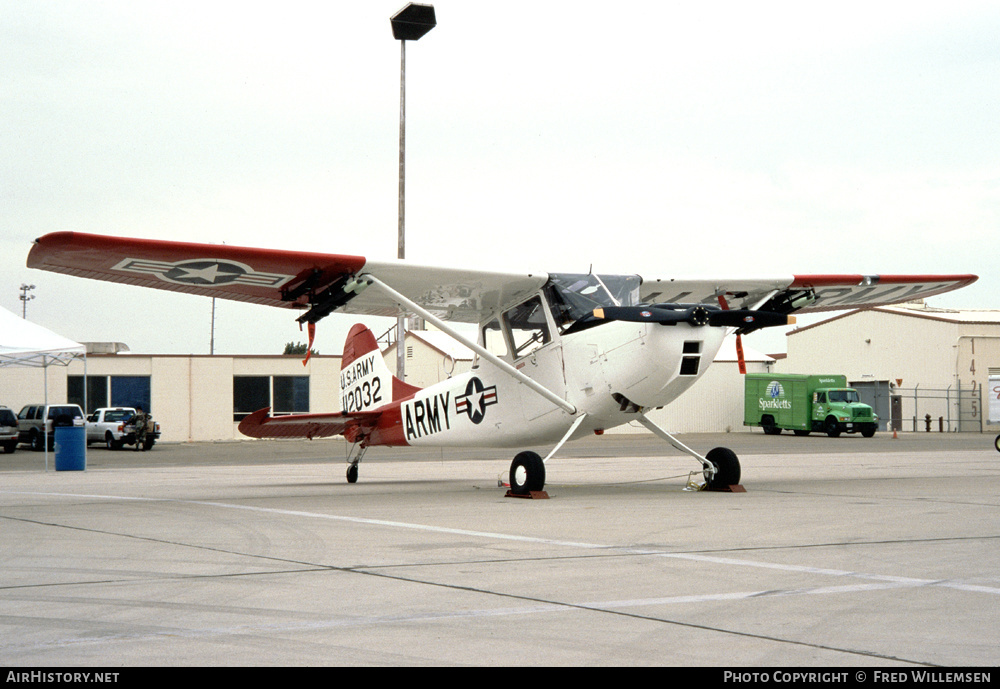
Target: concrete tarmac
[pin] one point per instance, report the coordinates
(842, 552)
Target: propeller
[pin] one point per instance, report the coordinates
(743, 320)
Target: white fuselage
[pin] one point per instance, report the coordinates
(607, 372)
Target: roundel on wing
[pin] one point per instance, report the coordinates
(205, 272)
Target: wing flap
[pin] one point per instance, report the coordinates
(838, 292)
(805, 293)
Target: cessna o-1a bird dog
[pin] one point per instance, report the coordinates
(558, 355)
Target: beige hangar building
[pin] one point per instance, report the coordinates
(911, 361)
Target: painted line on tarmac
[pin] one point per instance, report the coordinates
(888, 581)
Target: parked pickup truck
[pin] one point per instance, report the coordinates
(109, 425)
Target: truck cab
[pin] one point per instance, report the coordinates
(837, 410)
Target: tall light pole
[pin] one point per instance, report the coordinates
(409, 24)
(25, 298)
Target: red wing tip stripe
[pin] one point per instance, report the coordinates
(855, 280)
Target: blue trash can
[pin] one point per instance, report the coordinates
(71, 448)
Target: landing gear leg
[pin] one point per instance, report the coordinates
(352, 468)
(527, 471)
(720, 466)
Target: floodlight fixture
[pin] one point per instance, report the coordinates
(412, 22)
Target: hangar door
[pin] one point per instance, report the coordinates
(875, 393)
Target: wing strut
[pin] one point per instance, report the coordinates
(499, 363)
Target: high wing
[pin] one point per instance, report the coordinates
(319, 284)
(312, 282)
(801, 293)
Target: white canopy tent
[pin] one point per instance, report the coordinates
(26, 344)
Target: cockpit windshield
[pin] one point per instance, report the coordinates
(575, 295)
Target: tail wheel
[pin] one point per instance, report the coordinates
(727, 468)
(527, 473)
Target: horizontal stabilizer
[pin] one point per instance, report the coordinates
(261, 425)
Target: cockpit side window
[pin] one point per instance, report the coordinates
(528, 327)
(493, 339)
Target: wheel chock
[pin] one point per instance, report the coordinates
(735, 488)
(530, 495)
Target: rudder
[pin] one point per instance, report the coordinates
(365, 380)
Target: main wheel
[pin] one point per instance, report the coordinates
(996, 443)
(527, 473)
(727, 468)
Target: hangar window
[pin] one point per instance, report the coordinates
(283, 394)
(110, 391)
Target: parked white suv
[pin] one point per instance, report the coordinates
(8, 430)
(32, 417)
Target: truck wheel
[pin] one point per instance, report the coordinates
(831, 427)
(767, 423)
(996, 443)
(36, 442)
(112, 444)
(868, 430)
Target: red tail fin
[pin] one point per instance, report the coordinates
(365, 380)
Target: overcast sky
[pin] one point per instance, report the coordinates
(665, 139)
